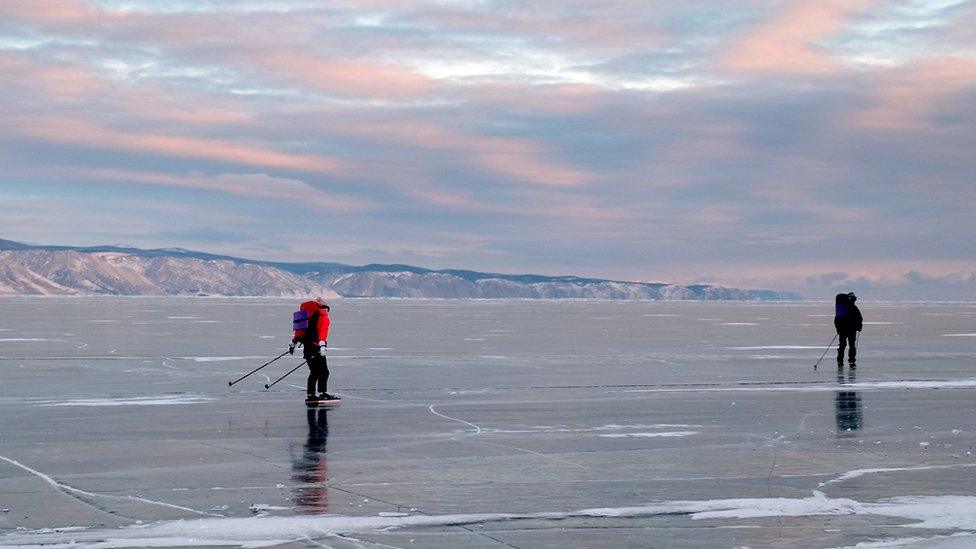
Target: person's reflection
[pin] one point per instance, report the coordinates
(310, 468)
(847, 404)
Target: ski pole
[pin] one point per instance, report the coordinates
(230, 383)
(267, 386)
(829, 345)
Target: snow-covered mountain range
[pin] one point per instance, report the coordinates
(109, 270)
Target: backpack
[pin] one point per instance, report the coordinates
(304, 322)
(842, 305)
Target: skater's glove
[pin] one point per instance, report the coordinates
(322, 345)
(291, 348)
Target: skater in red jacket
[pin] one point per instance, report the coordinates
(314, 338)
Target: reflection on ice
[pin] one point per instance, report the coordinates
(847, 403)
(310, 468)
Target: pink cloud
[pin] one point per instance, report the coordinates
(266, 47)
(56, 79)
(519, 158)
(592, 27)
(548, 98)
(905, 97)
(354, 77)
(48, 83)
(76, 131)
(535, 203)
(51, 11)
(787, 42)
(183, 107)
(256, 185)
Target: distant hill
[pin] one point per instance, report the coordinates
(110, 270)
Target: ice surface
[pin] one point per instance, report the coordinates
(485, 424)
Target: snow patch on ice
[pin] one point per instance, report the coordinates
(764, 347)
(608, 427)
(932, 512)
(164, 400)
(28, 339)
(667, 434)
(953, 541)
(958, 335)
(825, 387)
(740, 324)
(219, 358)
(261, 507)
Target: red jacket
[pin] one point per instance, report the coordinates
(318, 325)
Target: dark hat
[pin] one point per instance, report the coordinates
(852, 297)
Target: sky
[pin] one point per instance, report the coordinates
(811, 145)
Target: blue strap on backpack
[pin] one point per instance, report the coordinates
(299, 320)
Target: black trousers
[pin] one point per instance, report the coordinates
(847, 339)
(318, 370)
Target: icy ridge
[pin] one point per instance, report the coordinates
(73, 272)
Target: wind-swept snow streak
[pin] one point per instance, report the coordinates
(76, 492)
(477, 430)
(861, 472)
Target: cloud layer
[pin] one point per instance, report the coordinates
(770, 143)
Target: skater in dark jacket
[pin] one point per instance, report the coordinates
(848, 321)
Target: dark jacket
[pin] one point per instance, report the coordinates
(847, 317)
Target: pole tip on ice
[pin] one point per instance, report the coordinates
(266, 386)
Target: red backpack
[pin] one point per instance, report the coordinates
(302, 317)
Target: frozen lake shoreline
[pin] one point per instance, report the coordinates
(486, 423)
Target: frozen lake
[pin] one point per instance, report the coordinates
(486, 424)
